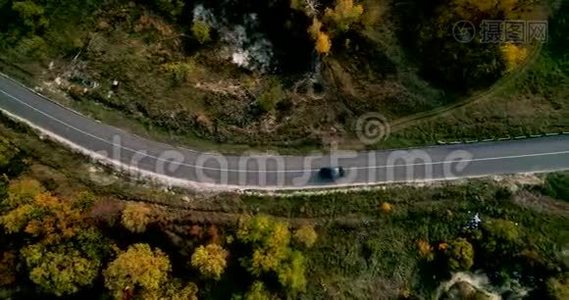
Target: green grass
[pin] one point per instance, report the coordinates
(362, 251)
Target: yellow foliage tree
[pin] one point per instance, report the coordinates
(175, 290)
(425, 250)
(291, 274)
(61, 271)
(306, 235)
(558, 288)
(323, 43)
(315, 28)
(138, 271)
(136, 216)
(343, 15)
(386, 207)
(23, 191)
(257, 292)
(270, 242)
(47, 217)
(210, 260)
(513, 55)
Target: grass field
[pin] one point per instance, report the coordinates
(364, 247)
(214, 106)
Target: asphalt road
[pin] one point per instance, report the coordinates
(186, 167)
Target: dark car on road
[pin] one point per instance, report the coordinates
(331, 173)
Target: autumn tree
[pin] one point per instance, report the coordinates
(558, 288)
(322, 41)
(425, 250)
(460, 254)
(22, 191)
(306, 235)
(269, 241)
(176, 290)
(61, 271)
(8, 261)
(291, 273)
(257, 292)
(343, 16)
(514, 55)
(64, 251)
(136, 216)
(139, 270)
(210, 260)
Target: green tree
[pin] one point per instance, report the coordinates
(171, 8)
(136, 216)
(460, 255)
(210, 260)
(138, 271)
(201, 31)
(62, 271)
(32, 14)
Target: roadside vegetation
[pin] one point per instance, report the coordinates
(290, 74)
(65, 231)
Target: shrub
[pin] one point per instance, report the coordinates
(305, 235)
(135, 217)
(557, 186)
(201, 31)
(460, 255)
(272, 94)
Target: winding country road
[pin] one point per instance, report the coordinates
(189, 168)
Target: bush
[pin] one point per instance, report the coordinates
(271, 95)
(135, 217)
(201, 32)
(557, 186)
(460, 255)
(305, 235)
